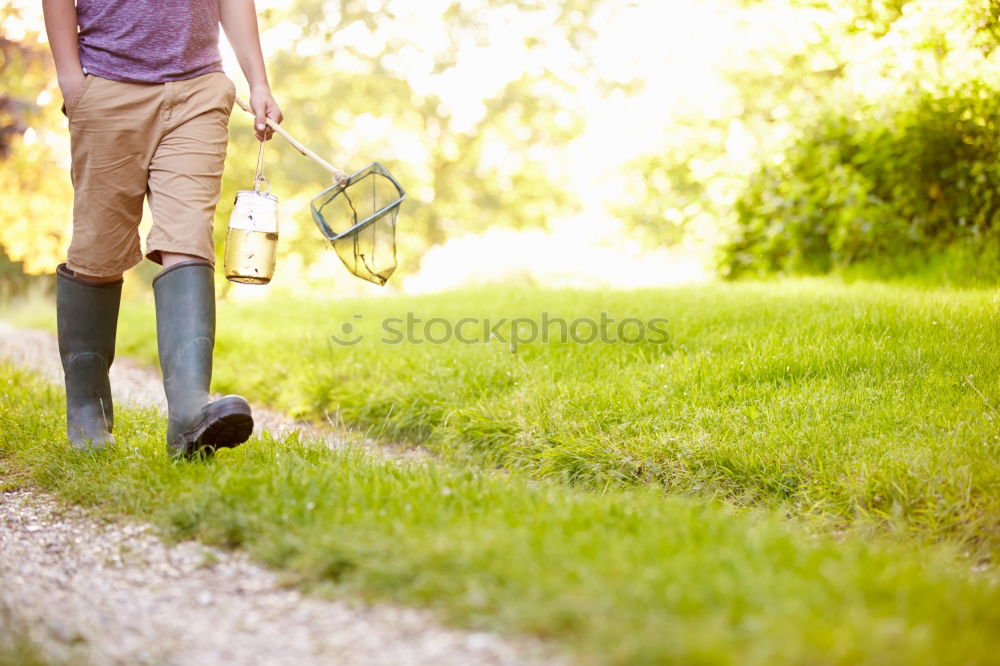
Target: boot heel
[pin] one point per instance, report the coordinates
(224, 424)
(231, 423)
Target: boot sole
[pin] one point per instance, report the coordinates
(229, 425)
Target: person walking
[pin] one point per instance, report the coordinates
(148, 108)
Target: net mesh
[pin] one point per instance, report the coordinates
(359, 220)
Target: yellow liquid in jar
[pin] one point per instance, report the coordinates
(250, 256)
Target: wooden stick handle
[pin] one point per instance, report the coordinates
(338, 175)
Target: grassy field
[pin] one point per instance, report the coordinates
(16, 645)
(17, 650)
(622, 577)
(863, 406)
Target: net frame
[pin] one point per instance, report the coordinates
(327, 197)
(329, 194)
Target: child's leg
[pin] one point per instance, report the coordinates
(87, 319)
(97, 279)
(184, 182)
(185, 172)
(112, 136)
(168, 259)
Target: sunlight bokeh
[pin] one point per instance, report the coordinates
(663, 45)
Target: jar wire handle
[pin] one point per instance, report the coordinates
(259, 176)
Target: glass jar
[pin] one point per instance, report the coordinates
(252, 240)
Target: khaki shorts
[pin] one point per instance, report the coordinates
(165, 141)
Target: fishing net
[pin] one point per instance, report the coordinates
(359, 220)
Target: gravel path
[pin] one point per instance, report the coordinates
(95, 592)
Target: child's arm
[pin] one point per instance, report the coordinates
(60, 26)
(239, 20)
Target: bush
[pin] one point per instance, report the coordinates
(869, 186)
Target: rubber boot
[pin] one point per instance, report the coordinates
(185, 329)
(87, 320)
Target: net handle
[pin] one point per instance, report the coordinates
(338, 175)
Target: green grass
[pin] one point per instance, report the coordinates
(16, 646)
(968, 264)
(865, 406)
(16, 650)
(621, 577)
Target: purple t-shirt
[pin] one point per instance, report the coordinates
(149, 41)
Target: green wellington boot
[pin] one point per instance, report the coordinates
(185, 329)
(87, 320)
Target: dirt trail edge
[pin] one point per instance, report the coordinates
(89, 591)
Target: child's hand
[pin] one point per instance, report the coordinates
(264, 106)
(69, 86)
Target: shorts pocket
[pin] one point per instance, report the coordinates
(68, 109)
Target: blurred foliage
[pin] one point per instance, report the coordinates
(14, 281)
(347, 90)
(36, 205)
(920, 174)
(863, 131)
(670, 193)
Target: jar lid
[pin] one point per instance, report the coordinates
(256, 193)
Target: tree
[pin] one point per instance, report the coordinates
(34, 218)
